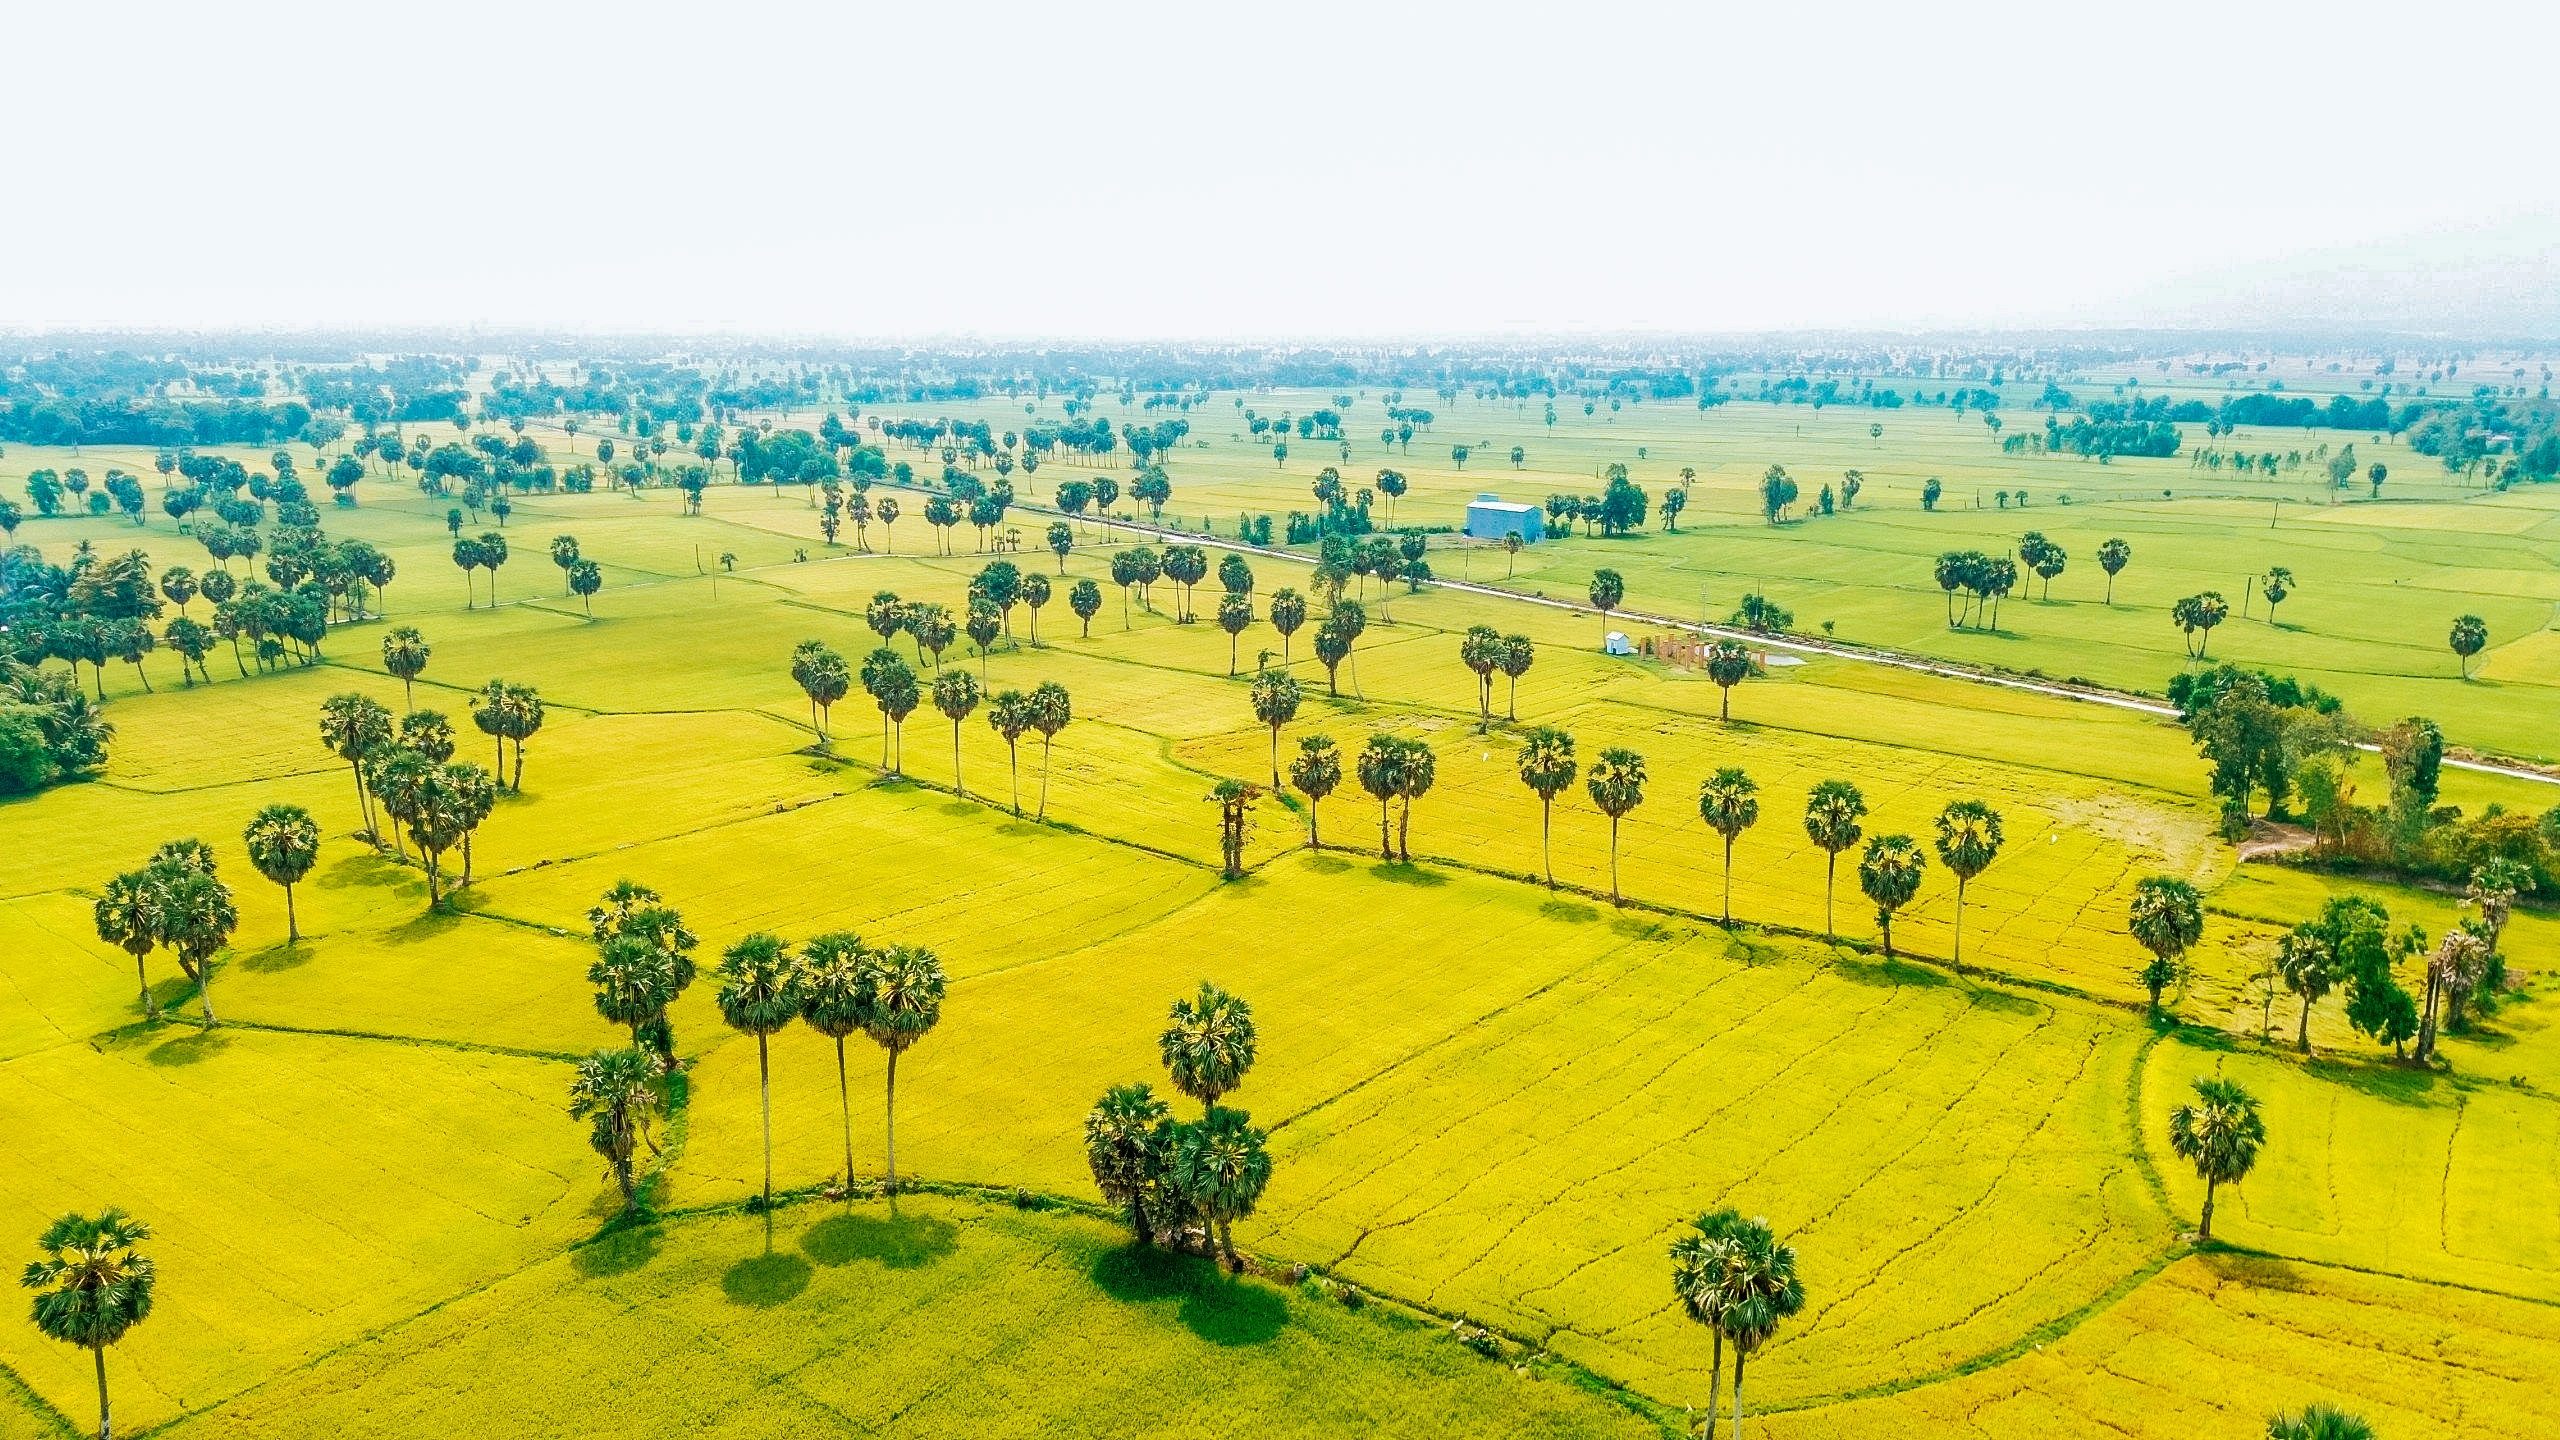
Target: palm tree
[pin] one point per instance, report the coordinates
(619, 1092)
(1608, 588)
(1234, 799)
(2167, 917)
(1890, 873)
(1221, 1167)
(2470, 636)
(1051, 710)
(1208, 1044)
(1697, 1277)
(1124, 1145)
(1481, 652)
(1729, 800)
(1518, 654)
(831, 1000)
(902, 1000)
(128, 916)
(1831, 815)
(355, 726)
(284, 843)
(1316, 772)
(1288, 611)
(1275, 703)
(759, 994)
(1414, 774)
(404, 657)
(196, 919)
(635, 982)
(2113, 555)
(1547, 767)
(1728, 664)
(2319, 1421)
(92, 1287)
(823, 676)
(1379, 763)
(1968, 839)
(1011, 715)
(955, 694)
(2219, 1134)
(1759, 1289)
(1616, 784)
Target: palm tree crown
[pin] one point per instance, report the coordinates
(1209, 1044)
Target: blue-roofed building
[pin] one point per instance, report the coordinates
(1489, 517)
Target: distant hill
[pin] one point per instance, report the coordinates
(2498, 282)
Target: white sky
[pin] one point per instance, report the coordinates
(1222, 170)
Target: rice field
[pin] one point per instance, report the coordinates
(1488, 1099)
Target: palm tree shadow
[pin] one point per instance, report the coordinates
(1405, 872)
(1326, 864)
(897, 1242)
(1887, 974)
(617, 1252)
(766, 1280)
(285, 955)
(1221, 1309)
(193, 1048)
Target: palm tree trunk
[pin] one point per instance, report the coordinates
(893, 1122)
(1613, 862)
(764, 1081)
(1715, 1382)
(956, 788)
(204, 990)
(1227, 1246)
(1738, 1358)
(1546, 837)
(106, 1427)
(2303, 1038)
(1275, 759)
(1013, 757)
(2204, 1223)
(1959, 924)
(1386, 844)
(1830, 880)
(1728, 894)
(844, 1107)
(151, 1007)
(1404, 831)
(292, 928)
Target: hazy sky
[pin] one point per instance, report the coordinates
(1214, 170)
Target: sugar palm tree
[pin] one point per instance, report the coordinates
(1729, 800)
(955, 694)
(1051, 710)
(355, 726)
(832, 1001)
(1968, 839)
(1519, 652)
(635, 982)
(1379, 762)
(1275, 703)
(196, 919)
(1547, 767)
(902, 1001)
(1890, 874)
(759, 994)
(1728, 664)
(404, 657)
(92, 1287)
(1208, 1044)
(284, 843)
(1124, 1143)
(1697, 1277)
(1760, 1289)
(1316, 772)
(2219, 1133)
(619, 1093)
(128, 915)
(1011, 715)
(2167, 918)
(1616, 784)
(1221, 1166)
(2318, 1421)
(1831, 815)
(1414, 775)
